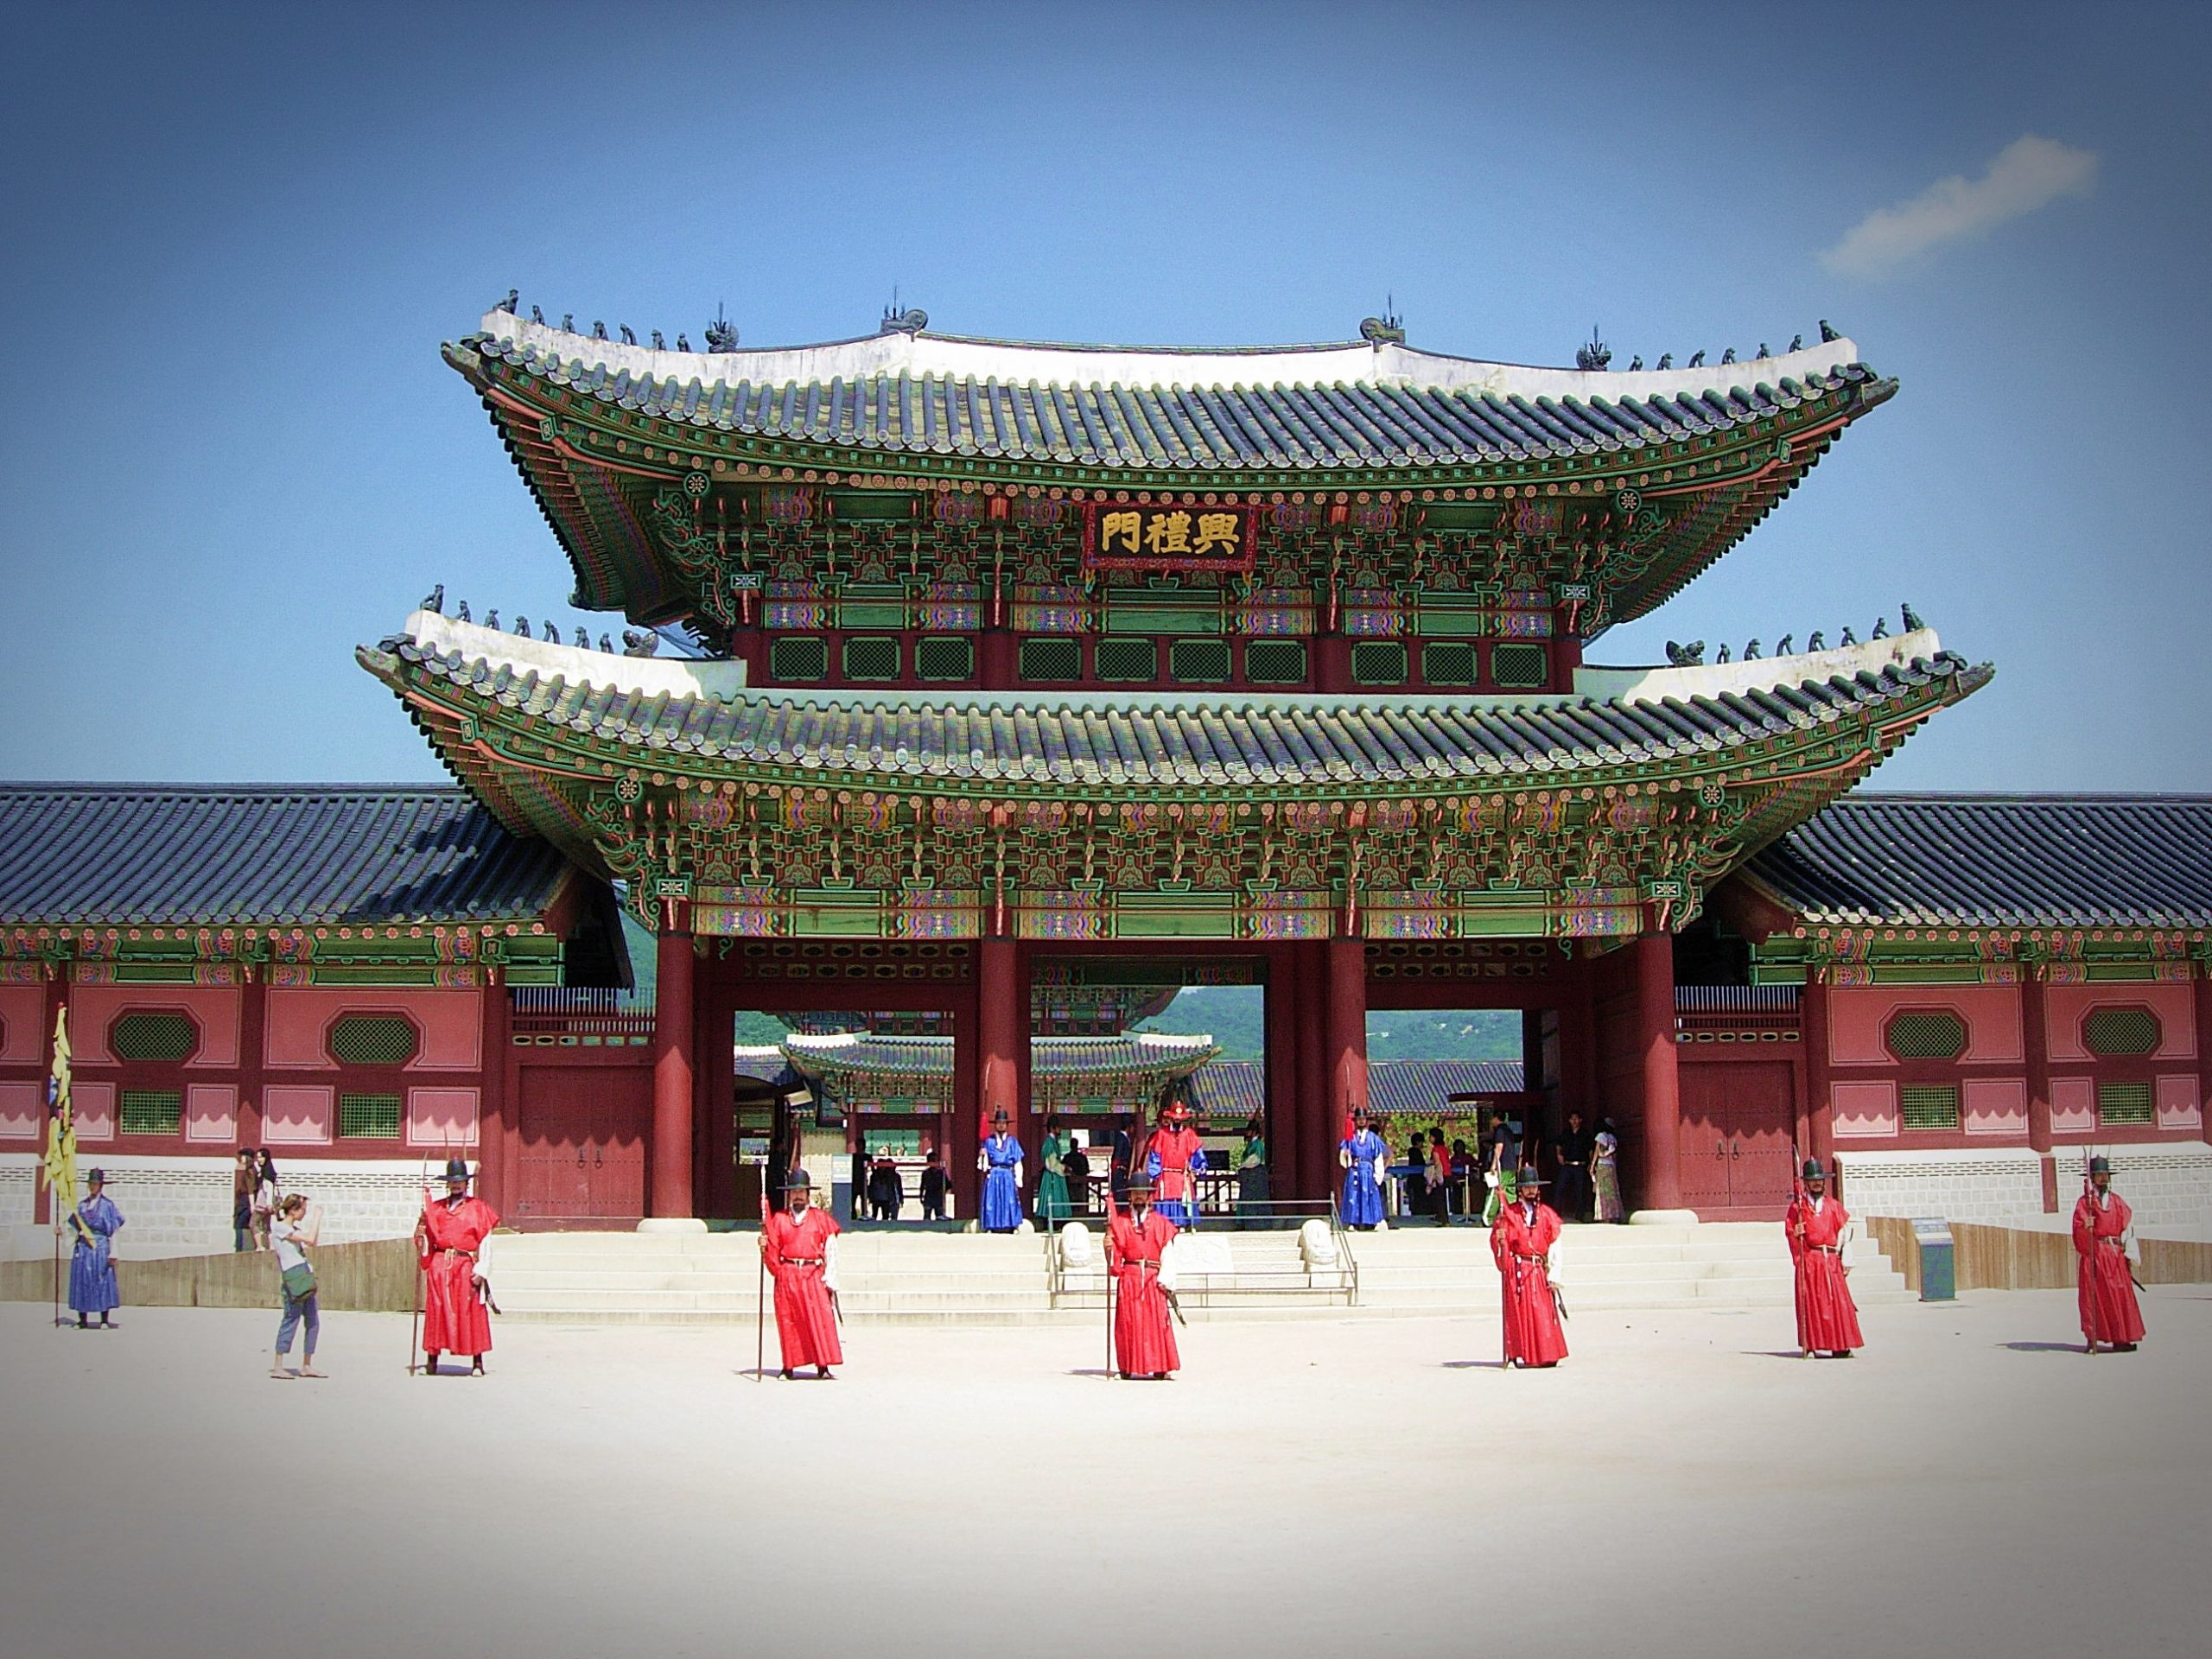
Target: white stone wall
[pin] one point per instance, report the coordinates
(2167, 1186)
(181, 1207)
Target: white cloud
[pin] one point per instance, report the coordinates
(2029, 172)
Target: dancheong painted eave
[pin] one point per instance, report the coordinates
(1336, 409)
(561, 712)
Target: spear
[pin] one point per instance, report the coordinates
(760, 1295)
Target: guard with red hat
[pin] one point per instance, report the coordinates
(1172, 1158)
(1827, 1319)
(449, 1239)
(2104, 1281)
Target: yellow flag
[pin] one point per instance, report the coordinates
(61, 1171)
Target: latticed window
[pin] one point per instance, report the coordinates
(1050, 659)
(151, 1111)
(1275, 661)
(373, 1039)
(154, 1037)
(2123, 1103)
(1450, 662)
(1927, 1035)
(1929, 1106)
(945, 657)
(1198, 661)
(799, 657)
(1521, 664)
(369, 1117)
(872, 657)
(2121, 1031)
(1127, 659)
(1378, 661)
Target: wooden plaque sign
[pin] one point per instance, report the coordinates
(1168, 536)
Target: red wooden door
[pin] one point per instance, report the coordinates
(1736, 1121)
(582, 1152)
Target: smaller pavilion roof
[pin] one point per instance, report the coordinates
(1996, 860)
(1130, 1054)
(1414, 1087)
(168, 854)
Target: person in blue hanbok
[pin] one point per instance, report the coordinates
(1001, 1164)
(1364, 1157)
(91, 1260)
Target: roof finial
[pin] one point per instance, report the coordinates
(1827, 334)
(507, 305)
(721, 333)
(435, 600)
(1595, 356)
(902, 320)
(1912, 622)
(1387, 329)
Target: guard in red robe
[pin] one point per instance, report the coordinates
(2105, 1283)
(1172, 1157)
(1521, 1241)
(800, 1245)
(1827, 1319)
(449, 1239)
(1136, 1241)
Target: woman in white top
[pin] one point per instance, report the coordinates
(290, 1233)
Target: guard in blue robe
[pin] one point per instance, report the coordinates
(92, 1266)
(1361, 1201)
(1001, 1208)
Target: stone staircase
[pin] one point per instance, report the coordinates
(1423, 1270)
(932, 1278)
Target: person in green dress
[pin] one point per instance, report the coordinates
(1252, 1174)
(1052, 1207)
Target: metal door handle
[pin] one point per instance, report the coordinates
(1720, 1148)
(597, 1161)
(579, 1157)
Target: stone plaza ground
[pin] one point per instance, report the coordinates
(1684, 1486)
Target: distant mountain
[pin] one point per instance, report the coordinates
(1234, 1016)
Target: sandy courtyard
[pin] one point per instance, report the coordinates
(1963, 1487)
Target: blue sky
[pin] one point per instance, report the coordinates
(236, 238)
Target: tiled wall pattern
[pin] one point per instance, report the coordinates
(181, 1207)
(2166, 1185)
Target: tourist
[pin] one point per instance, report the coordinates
(290, 1233)
(449, 1238)
(1414, 1177)
(1365, 1157)
(1052, 1179)
(1463, 1175)
(1498, 1173)
(94, 1224)
(1521, 1244)
(243, 1179)
(1827, 1323)
(1174, 1158)
(1252, 1173)
(1606, 1174)
(886, 1191)
(1439, 1177)
(2104, 1280)
(268, 1189)
(1120, 1160)
(1136, 1247)
(799, 1245)
(1001, 1160)
(935, 1182)
(1075, 1168)
(1572, 1148)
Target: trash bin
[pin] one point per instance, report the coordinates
(1939, 1279)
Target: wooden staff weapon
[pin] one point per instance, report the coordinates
(422, 1225)
(760, 1294)
(1112, 1211)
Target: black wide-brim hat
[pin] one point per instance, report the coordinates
(1812, 1172)
(796, 1179)
(1143, 1184)
(1526, 1177)
(2097, 1166)
(96, 1178)
(457, 1170)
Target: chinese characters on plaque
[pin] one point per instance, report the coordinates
(1166, 536)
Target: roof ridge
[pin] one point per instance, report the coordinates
(210, 790)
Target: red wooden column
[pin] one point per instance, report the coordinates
(2035, 1035)
(1662, 1100)
(673, 1073)
(2203, 1012)
(1001, 1037)
(1813, 1022)
(1344, 1026)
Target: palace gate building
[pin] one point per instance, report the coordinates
(1035, 679)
